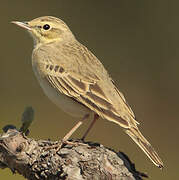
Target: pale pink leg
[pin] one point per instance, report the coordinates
(68, 135)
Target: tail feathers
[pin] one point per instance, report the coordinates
(139, 139)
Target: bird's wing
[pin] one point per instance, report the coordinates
(87, 89)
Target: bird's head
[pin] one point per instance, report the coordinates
(46, 29)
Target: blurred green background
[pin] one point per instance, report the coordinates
(138, 43)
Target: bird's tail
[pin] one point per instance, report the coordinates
(139, 139)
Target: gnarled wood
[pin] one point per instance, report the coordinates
(75, 161)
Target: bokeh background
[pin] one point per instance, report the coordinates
(138, 43)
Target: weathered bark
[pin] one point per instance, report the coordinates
(49, 160)
(76, 161)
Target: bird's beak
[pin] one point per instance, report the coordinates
(24, 25)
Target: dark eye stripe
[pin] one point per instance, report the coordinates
(39, 27)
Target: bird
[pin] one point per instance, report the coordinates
(77, 82)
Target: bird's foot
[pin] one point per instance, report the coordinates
(66, 142)
(61, 144)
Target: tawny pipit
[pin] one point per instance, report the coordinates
(74, 79)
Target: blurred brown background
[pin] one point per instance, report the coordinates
(138, 43)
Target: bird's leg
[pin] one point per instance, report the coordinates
(68, 135)
(96, 116)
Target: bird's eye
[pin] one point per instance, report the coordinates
(46, 27)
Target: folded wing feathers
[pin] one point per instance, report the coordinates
(89, 93)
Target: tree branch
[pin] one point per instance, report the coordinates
(73, 161)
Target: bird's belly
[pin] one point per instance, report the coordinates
(64, 102)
